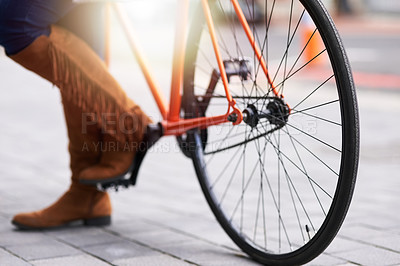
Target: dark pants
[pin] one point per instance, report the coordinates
(22, 21)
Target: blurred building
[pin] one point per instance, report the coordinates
(386, 6)
(363, 6)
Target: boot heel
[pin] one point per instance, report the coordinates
(98, 221)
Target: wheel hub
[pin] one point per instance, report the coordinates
(276, 112)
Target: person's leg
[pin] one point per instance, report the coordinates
(83, 79)
(86, 86)
(79, 202)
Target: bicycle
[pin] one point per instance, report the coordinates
(273, 133)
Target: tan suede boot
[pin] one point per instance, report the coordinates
(84, 80)
(80, 202)
(115, 158)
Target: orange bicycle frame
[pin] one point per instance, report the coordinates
(172, 123)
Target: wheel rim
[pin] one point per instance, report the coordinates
(273, 184)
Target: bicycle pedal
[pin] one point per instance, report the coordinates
(124, 183)
(153, 134)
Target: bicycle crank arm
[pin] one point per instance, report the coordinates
(152, 135)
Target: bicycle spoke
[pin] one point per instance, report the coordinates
(227, 136)
(289, 180)
(320, 118)
(305, 171)
(224, 170)
(311, 93)
(305, 174)
(285, 55)
(290, 74)
(277, 206)
(315, 107)
(315, 138)
(312, 153)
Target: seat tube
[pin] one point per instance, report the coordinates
(137, 51)
(178, 60)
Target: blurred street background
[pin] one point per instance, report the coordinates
(165, 219)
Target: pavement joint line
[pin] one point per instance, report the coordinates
(148, 246)
(80, 249)
(15, 255)
(200, 238)
(370, 227)
(368, 244)
(340, 258)
(67, 256)
(186, 233)
(348, 261)
(191, 235)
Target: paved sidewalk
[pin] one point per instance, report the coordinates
(165, 219)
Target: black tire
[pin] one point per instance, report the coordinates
(279, 189)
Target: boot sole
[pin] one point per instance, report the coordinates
(98, 221)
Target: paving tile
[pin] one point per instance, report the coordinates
(324, 259)
(218, 257)
(391, 242)
(16, 238)
(201, 227)
(85, 236)
(7, 258)
(340, 244)
(386, 219)
(70, 260)
(361, 231)
(43, 250)
(5, 225)
(371, 256)
(123, 211)
(206, 254)
(120, 250)
(159, 238)
(161, 260)
(132, 226)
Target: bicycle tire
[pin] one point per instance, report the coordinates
(314, 210)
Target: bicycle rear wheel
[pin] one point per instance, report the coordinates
(280, 184)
